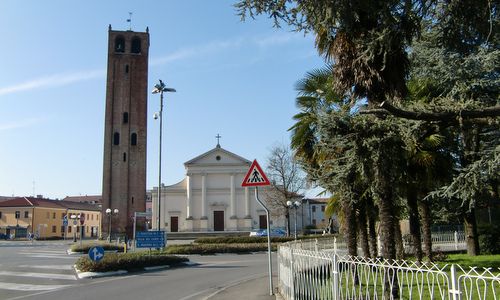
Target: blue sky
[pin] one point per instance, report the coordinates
(233, 78)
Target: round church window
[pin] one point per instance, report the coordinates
(217, 157)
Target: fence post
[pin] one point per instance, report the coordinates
(379, 246)
(335, 245)
(454, 290)
(292, 275)
(316, 245)
(335, 277)
(455, 234)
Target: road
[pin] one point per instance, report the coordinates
(43, 271)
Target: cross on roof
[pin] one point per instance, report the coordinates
(218, 136)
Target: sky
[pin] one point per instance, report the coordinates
(232, 78)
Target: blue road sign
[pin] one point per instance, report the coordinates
(96, 253)
(150, 239)
(65, 221)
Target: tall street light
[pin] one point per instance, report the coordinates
(159, 89)
(110, 213)
(294, 205)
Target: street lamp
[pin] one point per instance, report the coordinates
(110, 213)
(74, 218)
(294, 205)
(159, 89)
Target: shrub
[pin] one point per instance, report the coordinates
(128, 261)
(84, 248)
(489, 239)
(205, 249)
(241, 240)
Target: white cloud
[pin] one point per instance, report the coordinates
(52, 81)
(209, 48)
(21, 124)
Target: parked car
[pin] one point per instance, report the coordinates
(263, 232)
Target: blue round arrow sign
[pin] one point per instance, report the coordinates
(96, 253)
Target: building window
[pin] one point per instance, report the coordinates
(120, 44)
(125, 117)
(26, 214)
(69, 229)
(53, 215)
(18, 214)
(322, 208)
(62, 230)
(124, 156)
(54, 228)
(63, 215)
(133, 139)
(126, 68)
(116, 138)
(314, 222)
(92, 217)
(136, 45)
(313, 208)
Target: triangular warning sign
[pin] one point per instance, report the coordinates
(255, 176)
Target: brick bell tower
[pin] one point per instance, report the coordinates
(124, 167)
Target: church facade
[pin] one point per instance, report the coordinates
(210, 197)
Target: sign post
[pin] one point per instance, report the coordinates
(65, 224)
(256, 177)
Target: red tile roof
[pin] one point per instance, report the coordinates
(48, 203)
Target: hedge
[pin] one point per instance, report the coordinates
(128, 261)
(205, 249)
(84, 248)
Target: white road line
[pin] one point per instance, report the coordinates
(54, 267)
(43, 251)
(50, 256)
(29, 287)
(39, 275)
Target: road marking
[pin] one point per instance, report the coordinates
(39, 275)
(52, 267)
(50, 256)
(29, 287)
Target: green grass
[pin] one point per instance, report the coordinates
(481, 261)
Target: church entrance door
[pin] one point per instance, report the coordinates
(174, 224)
(218, 220)
(262, 222)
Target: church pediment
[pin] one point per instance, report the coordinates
(217, 156)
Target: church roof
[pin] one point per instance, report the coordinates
(218, 156)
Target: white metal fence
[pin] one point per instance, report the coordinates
(326, 273)
(446, 242)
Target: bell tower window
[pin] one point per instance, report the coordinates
(120, 44)
(136, 45)
(125, 117)
(116, 138)
(133, 139)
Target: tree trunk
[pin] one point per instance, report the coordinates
(350, 229)
(362, 228)
(414, 222)
(400, 250)
(425, 213)
(372, 231)
(471, 232)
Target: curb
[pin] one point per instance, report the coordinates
(82, 275)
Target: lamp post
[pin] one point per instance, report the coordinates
(74, 217)
(294, 205)
(159, 89)
(110, 213)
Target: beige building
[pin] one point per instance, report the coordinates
(22, 216)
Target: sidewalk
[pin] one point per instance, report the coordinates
(253, 289)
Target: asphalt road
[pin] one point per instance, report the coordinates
(43, 271)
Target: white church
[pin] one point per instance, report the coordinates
(210, 198)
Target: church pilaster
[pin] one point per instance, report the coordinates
(203, 196)
(189, 204)
(233, 198)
